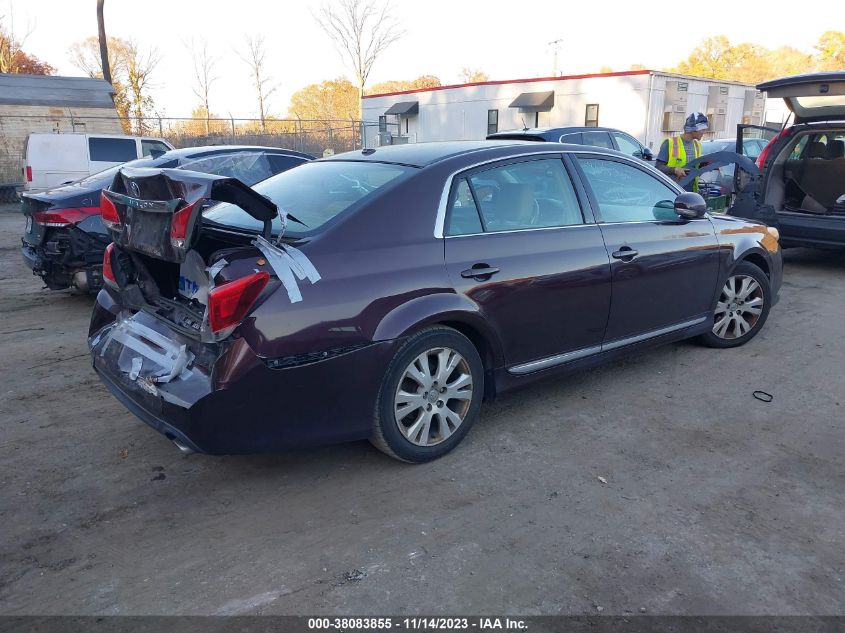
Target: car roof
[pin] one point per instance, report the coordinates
(187, 152)
(425, 154)
(420, 154)
(550, 132)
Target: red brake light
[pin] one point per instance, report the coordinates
(28, 173)
(63, 217)
(108, 211)
(179, 225)
(108, 272)
(761, 159)
(229, 303)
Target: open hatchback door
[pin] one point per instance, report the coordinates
(811, 97)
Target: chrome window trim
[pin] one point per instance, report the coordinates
(440, 220)
(537, 228)
(568, 357)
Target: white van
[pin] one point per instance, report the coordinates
(50, 160)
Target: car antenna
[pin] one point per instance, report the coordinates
(524, 127)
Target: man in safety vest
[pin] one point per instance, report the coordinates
(677, 151)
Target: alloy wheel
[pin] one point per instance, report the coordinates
(739, 307)
(433, 396)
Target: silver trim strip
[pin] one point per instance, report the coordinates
(551, 361)
(538, 228)
(653, 334)
(568, 357)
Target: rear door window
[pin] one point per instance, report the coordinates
(148, 146)
(281, 162)
(573, 137)
(526, 195)
(112, 150)
(598, 139)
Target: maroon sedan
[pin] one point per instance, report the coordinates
(385, 293)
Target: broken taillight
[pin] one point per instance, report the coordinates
(761, 159)
(63, 217)
(108, 211)
(108, 272)
(179, 225)
(229, 303)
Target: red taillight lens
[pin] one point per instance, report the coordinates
(108, 211)
(28, 173)
(63, 217)
(108, 272)
(761, 159)
(229, 303)
(179, 225)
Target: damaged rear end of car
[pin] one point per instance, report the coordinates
(164, 335)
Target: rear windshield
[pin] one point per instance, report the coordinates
(105, 177)
(313, 193)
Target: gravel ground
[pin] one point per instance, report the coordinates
(714, 502)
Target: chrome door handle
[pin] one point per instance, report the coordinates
(479, 272)
(626, 254)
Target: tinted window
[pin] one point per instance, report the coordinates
(248, 167)
(112, 150)
(627, 145)
(627, 194)
(463, 214)
(314, 193)
(574, 137)
(104, 178)
(598, 139)
(527, 195)
(148, 147)
(280, 163)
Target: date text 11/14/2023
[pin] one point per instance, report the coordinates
(417, 624)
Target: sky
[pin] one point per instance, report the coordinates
(506, 39)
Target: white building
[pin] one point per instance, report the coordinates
(649, 105)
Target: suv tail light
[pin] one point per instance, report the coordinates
(108, 211)
(63, 217)
(29, 173)
(108, 272)
(761, 159)
(228, 304)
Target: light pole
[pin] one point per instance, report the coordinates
(555, 43)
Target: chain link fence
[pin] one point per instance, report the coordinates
(312, 136)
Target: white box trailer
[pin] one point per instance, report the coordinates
(649, 105)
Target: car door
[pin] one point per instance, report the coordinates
(519, 247)
(664, 269)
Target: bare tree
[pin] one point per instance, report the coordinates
(203, 74)
(473, 75)
(139, 69)
(254, 57)
(361, 30)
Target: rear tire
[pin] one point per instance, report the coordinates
(430, 396)
(742, 308)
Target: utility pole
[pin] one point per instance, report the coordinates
(104, 47)
(555, 43)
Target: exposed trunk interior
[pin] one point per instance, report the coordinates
(809, 175)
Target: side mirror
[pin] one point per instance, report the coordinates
(155, 153)
(647, 155)
(690, 205)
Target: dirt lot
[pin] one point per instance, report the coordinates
(715, 503)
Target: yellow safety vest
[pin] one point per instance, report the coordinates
(678, 155)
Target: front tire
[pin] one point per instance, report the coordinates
(742, 308)
(430, 396)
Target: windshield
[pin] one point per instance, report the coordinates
(313, 193)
